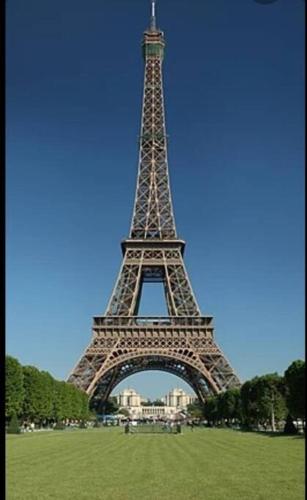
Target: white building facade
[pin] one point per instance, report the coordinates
(178, 398)
(175, 402)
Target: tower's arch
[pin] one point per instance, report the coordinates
(124, 367)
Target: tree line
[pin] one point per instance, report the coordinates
(35, 396)
(266, 402)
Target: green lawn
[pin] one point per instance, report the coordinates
(106, 464)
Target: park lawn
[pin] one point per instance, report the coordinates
(106, 464)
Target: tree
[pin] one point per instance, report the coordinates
(195, 409)
(124, 411)
(158, 402)
(13, 427)
(38, 400)
(74, 397)
(85, 413)
(62, 401)
(79, 403)
(210, 410)
(248, 393)
(37, 396)
(237, 407)
(271, 398)
(295, 384)
(33, 392)
(229, 404)
(14, 389)
(146, 403)
(47, 403)
(111, 407)
(69, 402)
(263, 400)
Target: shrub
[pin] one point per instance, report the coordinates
(289, 426)
(13, 427)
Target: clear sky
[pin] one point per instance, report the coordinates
(234, 96)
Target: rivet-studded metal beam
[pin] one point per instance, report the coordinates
(181, 343)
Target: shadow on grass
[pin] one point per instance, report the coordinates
(278, 434)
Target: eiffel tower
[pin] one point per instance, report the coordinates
(124, 343)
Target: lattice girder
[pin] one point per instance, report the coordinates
(136, 268)
(153, 214)
(121, 340)
(181, 343)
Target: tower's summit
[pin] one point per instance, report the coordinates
(153, 42)
(153, 16)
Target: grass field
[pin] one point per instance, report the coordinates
(106, 464)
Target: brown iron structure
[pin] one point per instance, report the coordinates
(181, 343)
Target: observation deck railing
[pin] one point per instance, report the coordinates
(200, 321)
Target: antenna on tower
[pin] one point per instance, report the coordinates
(153, 16)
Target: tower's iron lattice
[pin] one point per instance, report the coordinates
(124, 343)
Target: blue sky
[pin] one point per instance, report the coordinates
(234, 95)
